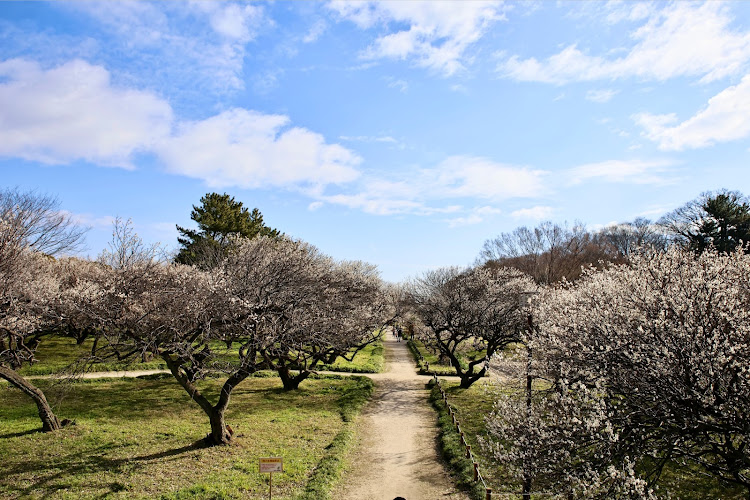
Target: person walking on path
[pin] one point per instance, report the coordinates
(397, 453)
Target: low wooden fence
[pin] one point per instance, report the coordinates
(477, 474)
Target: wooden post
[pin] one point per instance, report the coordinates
(488, 492)
(463, 441)
(476, 472)
(468, 451)
(527, 477)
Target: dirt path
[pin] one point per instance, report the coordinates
(115, 374)
(397, 453)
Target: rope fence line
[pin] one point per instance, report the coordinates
(477, 474)
(469, 454)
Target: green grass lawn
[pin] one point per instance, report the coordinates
(428, 358)
(142, 438)
(56, 354)
(371, 359)
(473, 404)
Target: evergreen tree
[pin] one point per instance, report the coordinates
(219, 217)
(719, 220)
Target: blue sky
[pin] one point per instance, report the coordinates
(401, 133)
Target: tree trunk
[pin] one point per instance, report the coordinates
(220, 434)
(467, 380)
(291, 382)
(50, 422)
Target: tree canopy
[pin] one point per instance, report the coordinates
(645, 365)
(720, 220)
(31, 230)
(219, 218)
(549, 252)
(477, 307)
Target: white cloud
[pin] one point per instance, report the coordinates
(232, 21)
(92, 221)
(535, 213)
(611, 12)
(366, 138)
(471, 220)
(600, 96)
(73, 112)
(168, 229)
(655, 211)
(438, 33)
(725, 118)
(476, 216)
(196, 43)
(628, 11)
(682, 39)
(250, 150)
(377, 203)
(476, 177)
(398, 84)
(316, 30)
(442, 189)
(622, 171)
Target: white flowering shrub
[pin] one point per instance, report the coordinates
(563, 442)
(646, 364)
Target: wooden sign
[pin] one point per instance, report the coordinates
(271, 464)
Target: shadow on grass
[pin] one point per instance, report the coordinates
(91, 461)
(198, 445)
(19, 434)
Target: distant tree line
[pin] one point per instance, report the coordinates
(551, 252)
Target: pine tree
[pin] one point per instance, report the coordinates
(720, 220)
(219, 217)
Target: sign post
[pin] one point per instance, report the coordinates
(271, 465)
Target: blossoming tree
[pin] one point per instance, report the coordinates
(307, 308)
(32, 230)
(647, 365)
(477, 307)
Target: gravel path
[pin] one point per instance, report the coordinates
(397, 453)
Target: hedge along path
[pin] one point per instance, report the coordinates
(397, 453)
